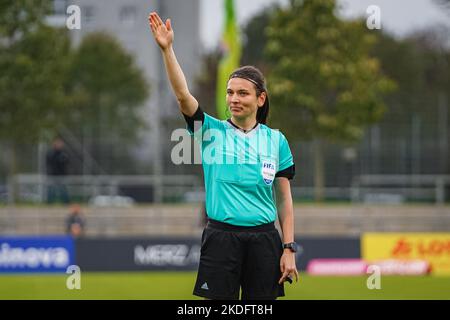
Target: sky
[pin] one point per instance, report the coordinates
(399, 17)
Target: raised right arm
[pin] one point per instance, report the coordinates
(163, 34)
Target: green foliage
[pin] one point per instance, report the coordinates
(105, 87)
(18, 17)
(325, 84)
(46, 86)
(206, 83)
(420, 64)
(33, 69)
(255, 39)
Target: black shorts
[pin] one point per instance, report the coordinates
(235, 257)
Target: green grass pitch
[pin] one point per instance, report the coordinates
(178, 286)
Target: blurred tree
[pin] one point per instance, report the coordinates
(325, 85)
(33, 63)
(46, 86)
(103, 80)
(255, 40)
(106, 91)
(206, 82)
(33, 71)
(20, 17)
(420, 64)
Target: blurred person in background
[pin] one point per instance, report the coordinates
(75, 222)
(57, 162)
(241, 248)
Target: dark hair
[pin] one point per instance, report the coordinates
(255, 76)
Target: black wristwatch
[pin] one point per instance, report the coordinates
(291, 245)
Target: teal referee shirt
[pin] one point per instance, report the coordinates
(240, 168)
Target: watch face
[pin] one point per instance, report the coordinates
(292, 246)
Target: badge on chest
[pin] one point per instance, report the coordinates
(268, 171)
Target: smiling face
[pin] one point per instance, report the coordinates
(242, 99)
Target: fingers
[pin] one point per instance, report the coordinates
(155, 21)
(296, 275)
(158, 19)
(284, 273)
(151, 21)
(283, 277)
(287, 272)
(152, 25)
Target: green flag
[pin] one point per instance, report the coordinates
(231, 56)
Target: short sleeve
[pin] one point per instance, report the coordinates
(201, 120)
(286, 166)
(194, 121)
(289, 172)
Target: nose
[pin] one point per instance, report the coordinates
(234, 98)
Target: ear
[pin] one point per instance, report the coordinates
(261, 99)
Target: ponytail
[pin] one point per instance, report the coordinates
(263, 112)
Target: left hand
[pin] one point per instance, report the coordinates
(162, 32)
(287, 266)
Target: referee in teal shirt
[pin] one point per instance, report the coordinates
(243, 159)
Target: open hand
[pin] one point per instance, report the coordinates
(162, 32)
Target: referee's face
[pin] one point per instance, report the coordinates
(242, 99)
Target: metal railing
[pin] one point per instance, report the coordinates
(189, 188)
(399, 188)
(35, 187)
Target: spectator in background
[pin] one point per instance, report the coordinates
(75, 222)
(57, 162)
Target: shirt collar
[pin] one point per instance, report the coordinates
(240, 129)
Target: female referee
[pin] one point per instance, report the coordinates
(241, 248)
